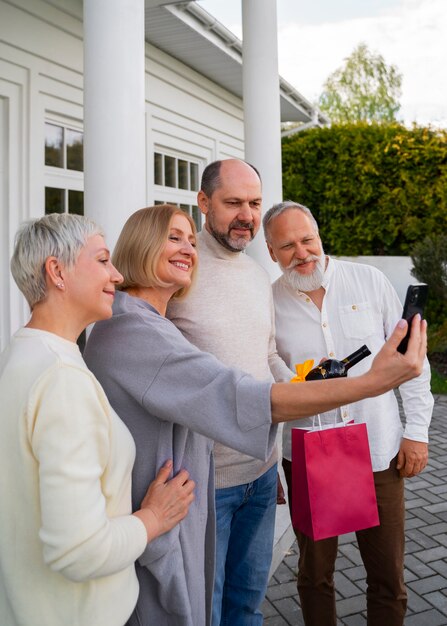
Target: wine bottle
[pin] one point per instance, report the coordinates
(332, 368)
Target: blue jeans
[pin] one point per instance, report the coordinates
(245, 524)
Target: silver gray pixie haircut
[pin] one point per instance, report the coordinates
(279, 208)
(58, 234)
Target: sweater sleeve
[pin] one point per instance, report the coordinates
(218, 402)
(178, 383)
(69, 433)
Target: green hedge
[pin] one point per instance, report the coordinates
(374, 189)
(429, 258)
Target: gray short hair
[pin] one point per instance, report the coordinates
(279, 208)
(58, 234)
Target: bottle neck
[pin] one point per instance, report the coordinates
(356, 357)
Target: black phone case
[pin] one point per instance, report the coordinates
(414, 303)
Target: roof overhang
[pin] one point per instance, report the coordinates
(187, 32)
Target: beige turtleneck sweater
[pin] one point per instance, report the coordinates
(229, 313)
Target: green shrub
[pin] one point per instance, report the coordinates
(438, 382)
(430, 266)
(375, 189)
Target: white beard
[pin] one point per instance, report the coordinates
(306, 282)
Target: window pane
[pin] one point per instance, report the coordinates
(158, 168)
(54, 200)
(76, 202)
(196, 216)
(186, 208)
(75, 145)
(183, 174)
(165, 202)
(54, 141)
(169, 171)
(194, 173)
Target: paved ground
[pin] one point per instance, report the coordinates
(426, 553)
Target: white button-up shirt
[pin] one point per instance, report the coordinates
(360, 306)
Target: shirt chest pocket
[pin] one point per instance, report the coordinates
(357, 320)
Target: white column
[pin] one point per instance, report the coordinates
(262, 117)
(114, 112)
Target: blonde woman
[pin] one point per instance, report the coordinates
(68, 540)
(176, 400)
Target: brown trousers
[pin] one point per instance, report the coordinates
(382, 551)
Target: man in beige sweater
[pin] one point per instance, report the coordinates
(230, 314)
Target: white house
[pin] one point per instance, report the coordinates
(150, 93)
(112, 105)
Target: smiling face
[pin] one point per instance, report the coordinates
(179, 256)
(296, 246)
(233, 212)
(90, 284)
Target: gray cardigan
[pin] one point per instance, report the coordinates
(175, 400)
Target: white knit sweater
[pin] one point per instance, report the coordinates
(67, 540)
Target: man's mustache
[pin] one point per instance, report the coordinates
(308, 259)
(242, 225)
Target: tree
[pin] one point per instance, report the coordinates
(364, 89)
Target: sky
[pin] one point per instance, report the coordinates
(315, 37)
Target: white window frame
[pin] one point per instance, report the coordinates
(61, 177)
(175, 195)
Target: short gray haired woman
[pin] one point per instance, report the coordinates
(68, 540)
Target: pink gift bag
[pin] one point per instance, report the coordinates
(332, 481)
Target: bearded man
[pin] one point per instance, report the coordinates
(328, 308)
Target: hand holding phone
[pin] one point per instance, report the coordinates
(414, 303)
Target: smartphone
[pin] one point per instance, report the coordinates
(414, 303)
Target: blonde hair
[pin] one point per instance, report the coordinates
(58, 234)
(141, 243)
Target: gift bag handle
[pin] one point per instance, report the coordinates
(320, 426)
